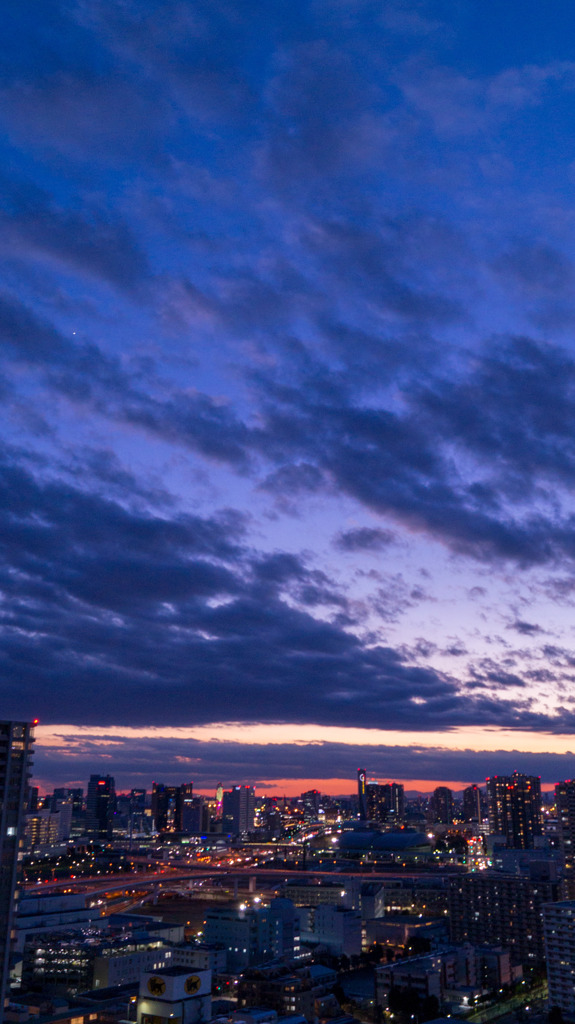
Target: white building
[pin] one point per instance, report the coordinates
(175, 994)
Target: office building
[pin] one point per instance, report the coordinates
(514, 804)
(565, 804)
(16, 747)
(559, 922)
(100, 806)
(239, 810)
(490, 908)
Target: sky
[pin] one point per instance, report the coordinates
(287, 370)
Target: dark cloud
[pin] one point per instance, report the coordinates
(115, 615)
(526, 628)
(279, 258)
(85, 241)
(208, 763)
(364, 538)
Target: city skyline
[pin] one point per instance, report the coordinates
(288, 377)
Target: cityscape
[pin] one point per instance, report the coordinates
(287, 512)
(147, 906)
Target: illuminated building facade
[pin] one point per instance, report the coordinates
(514, 803)
(491, 908)
(384, 801)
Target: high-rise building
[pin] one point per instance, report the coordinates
(311, 804)
(515, 808)
(137, 801)
(195, 815)
(166, 807)
(559, 924)
(171, 807)
(239, 809)
(16, 746)
(473, 804)
(441, 805)
(492, 908)
(100, 806)
(565, 804)
(384, 801)
(361, 795)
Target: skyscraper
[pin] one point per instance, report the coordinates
(473, 803)
(100, 806)
(565, 804)
(16, 744)
(515, 808)
(170, 805)
(441, 805)
(239, 809)
(384, 801)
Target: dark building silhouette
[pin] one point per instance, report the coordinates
(100, 806)
(514, 804)
(441, 805)
(311, 803)
(171, 807)
(474, 804)
(16, 747)
(137, 801)
(167, 807)
(195, 815)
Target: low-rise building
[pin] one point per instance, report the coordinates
(287, 991)
(336, 929)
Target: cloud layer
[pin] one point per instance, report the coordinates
(286, 365)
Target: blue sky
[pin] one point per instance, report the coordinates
(288, 381)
